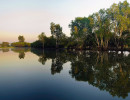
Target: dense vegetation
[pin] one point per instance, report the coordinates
(106, 29)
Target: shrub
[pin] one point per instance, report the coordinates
(21, 44)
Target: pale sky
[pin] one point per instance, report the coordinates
(31, 17)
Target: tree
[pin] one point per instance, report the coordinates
(56, 31)
(41, 38)
(120, 20)
(5, 44)
(21, 38)
(102, 28)
(80, 28)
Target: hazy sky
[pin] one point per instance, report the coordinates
(31, 17)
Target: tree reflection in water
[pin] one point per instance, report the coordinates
(5, 50)
(108, 71)
(57, 63)
(21, 52)
(21, 55)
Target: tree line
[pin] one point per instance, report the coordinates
(106, 29)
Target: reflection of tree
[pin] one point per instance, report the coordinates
(57, 63)
(5, 50)
(42, 58)
(21, 51)
(21, 55)
(56, 66)
(108, 72)
(58, 58)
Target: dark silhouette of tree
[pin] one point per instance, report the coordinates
(21, 38)
(41, 38)
(56, 31)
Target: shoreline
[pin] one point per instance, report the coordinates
(112, 49)
(74, 49)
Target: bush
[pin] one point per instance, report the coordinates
(21, 44)
(49, 43)
(37, 44)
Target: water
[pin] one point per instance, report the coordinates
(32, 74)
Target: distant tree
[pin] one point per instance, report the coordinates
(41, 38)
(5, 44)
(56, 31)
(21, 38)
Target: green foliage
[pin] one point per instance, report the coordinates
(20, 44)
(80, 27)
(41, 38)
(105, 29)
(49, 42)
(37, 44)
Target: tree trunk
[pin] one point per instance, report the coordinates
(97, 40)
(102, 46)
(120, 33)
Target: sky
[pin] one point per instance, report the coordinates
(31, 17)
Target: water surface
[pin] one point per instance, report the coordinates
(32, 74)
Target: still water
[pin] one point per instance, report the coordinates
(32, 74)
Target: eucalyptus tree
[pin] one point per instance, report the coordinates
(80, 28)
(56, 31)
(102, 28)
(120, 19)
